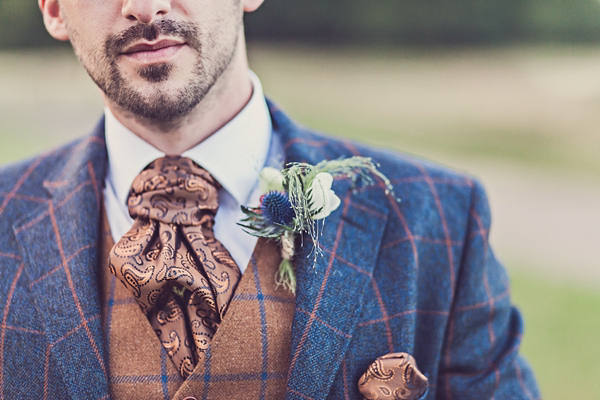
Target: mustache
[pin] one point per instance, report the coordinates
(116, 44)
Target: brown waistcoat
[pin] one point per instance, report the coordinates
(249, 354)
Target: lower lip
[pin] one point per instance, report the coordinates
(154, 56)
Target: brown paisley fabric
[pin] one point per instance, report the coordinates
(393, 376)
(180, 275)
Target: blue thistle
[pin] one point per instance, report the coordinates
(276, 208)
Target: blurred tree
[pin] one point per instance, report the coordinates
(551, 20)
(390, 22)
(21, 24)
(426, 21)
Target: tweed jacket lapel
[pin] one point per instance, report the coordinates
(330, 293)
(330, 289)
(61, 265)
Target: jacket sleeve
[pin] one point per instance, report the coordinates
(480, 358)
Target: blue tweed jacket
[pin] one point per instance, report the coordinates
(416, 277)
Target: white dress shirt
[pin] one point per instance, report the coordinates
(234, 155)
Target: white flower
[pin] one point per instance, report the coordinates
(270, 179)
(321, 198)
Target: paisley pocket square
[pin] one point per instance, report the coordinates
(393, 376)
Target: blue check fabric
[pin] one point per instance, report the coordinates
(417, 276)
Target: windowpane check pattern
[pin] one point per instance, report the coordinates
(417, 277)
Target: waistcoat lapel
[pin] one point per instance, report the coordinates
(138, 364)
(59, 247)
(249, 355)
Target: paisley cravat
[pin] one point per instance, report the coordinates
(181, 276)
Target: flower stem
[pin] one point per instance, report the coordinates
(286, 276)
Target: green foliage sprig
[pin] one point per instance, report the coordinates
(298, 196)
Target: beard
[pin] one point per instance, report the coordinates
(163, 104)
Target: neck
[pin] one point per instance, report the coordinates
(225, 100)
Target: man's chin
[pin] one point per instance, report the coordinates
(156, 106)
(153, 114)
(160, 93)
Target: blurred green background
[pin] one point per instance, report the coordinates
(508, 90)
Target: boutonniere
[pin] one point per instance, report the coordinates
(299, 197)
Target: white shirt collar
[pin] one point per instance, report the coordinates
(234, 154)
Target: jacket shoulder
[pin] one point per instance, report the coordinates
(302, 144)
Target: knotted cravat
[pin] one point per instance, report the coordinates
(181, 276)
